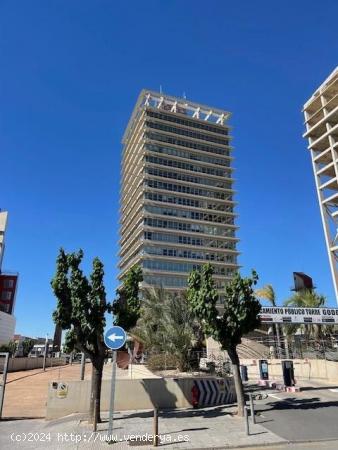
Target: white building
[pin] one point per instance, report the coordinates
(7, 321)
(321, 121)
(7, 327)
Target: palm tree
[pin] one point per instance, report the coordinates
(166, 325)
(149, 328)
(267, 292)
(178, 323)
(307, 298)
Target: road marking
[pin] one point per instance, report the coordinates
(275, 396)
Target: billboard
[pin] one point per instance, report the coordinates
(302, 281)
(287, 314)
(8, 286)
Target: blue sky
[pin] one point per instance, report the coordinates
(70, 75)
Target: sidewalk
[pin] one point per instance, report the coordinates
(180, 429)
(26, 390)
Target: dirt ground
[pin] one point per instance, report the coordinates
(26, 391)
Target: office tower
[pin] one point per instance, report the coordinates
(177, 197)
(321, 120)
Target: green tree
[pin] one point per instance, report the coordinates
(267, 292)
(126, 307)
(27, 345)
(10, 348)
(81, 308)
(239, 315)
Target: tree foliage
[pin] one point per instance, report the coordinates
(27, 345)
(10, 348)
(267, 292)
(307, 298)
(81, 308)
(166, 325)
(237, 316)
(126, 307)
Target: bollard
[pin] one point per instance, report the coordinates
(246, 418)
(252, 409)
(155, 441)
(82, 370)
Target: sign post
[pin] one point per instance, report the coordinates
(114, 339)
(3, 369)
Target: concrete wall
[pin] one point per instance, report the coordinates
(7, 327)
(16, 364)
(73, 397)
(305, 369)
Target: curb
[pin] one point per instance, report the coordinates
(266, 444)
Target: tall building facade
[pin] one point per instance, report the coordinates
(321, 121)
(8, 288)
(177, 197)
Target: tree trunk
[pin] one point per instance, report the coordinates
(232, 352)
(91, 403)
(95, 397)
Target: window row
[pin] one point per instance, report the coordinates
(6, 295)
(155, 184)
(188, 133)
(187, 155)
(188, 123)
(168, 281)
(194, 215)
(191, 227)
(183, 267)
(189, 240)
(188, 144)
(189, 254)
(155, 196)
(8, 284)
(187, 166)
(187, 178)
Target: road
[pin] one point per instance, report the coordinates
(311, 414)
(328, 445)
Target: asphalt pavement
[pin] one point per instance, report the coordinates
(325, 445)
(309, 415)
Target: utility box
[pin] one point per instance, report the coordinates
(263, 369)
(288, 373)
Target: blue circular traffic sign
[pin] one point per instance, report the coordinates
(115, 338)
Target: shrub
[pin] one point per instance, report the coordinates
(162, 361)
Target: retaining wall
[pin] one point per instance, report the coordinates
(16, 364)
(73, 397)
(305, 369)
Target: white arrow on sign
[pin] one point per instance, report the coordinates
(113, 337)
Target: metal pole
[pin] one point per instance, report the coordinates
(82, 371)
(3, 383)
(252, 409)
(112, 396)
(246, 419)
(45, 354)
(155, 441)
